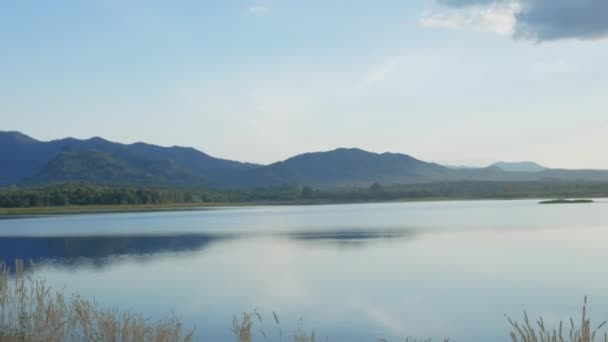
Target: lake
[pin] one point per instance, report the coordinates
(355, 272)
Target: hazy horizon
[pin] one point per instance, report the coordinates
(275, 161)
(457, 82)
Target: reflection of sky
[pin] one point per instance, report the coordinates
(461, 215)
(438, 282)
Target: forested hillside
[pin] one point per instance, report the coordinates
(82, 194)
(25, 161)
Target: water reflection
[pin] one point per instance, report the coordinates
(357, 235)
(352, 272)
(100, 250)
(355, 238)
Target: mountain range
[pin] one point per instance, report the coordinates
(26, 161)
(526, 166)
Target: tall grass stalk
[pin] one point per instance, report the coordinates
(574, 332)
(31, 311)
(412, 339)
(243, 327)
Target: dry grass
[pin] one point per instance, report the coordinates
(31, 311)
(244, 328)
(527, 332)
(411, 339)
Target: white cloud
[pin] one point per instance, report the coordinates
(547, 20)
(258, 9)
(498, 18)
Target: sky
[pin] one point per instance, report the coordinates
(460, 82)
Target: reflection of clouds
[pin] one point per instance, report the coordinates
(389, 322)
(394, 320)
(276, 270)
(437, 285)
(409, 315)
(264, 274)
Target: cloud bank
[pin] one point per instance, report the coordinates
(497, 18)
(540, 20)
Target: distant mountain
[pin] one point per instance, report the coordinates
(525, 166)
(342, 167)
(27, 161)
(459, 167)
(355, 167)
(105, 168)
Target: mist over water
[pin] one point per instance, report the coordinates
(351, 272)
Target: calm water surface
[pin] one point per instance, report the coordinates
(352, 272)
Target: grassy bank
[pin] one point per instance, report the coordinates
(116, 208)
(30, 310)
(134, 208)
(86, 198)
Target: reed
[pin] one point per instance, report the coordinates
(31, 311)
(412, 339)
(582, 331)
(244, 329)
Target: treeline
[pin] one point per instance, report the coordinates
(86, 194)
(468, 190)
(81, 194)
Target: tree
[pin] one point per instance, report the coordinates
(375, 187)
(307, 192)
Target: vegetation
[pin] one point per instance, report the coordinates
(117, 208)
(527, 332)
(85, 197)
(27, 161)
(464, 190)
(31, 311)
(566, 201)
(244, 326)
(82, 194)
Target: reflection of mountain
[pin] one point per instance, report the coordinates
(69, 250)
(349, 235)
(101, 250)
(350, 238)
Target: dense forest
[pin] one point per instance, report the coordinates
(87, 194)
(81, 194)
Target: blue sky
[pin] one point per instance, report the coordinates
(452, 81)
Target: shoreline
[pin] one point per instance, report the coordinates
(29, 212)
(6, 213)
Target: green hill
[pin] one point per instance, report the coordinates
(27, 161)
(104, 168)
